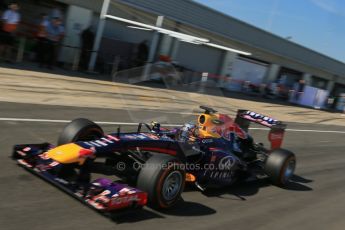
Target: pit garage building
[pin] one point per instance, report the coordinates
(271, 57)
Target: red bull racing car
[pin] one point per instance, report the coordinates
(153, 166)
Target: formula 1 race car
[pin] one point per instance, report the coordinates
(154, 165)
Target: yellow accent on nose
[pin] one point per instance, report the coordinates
(66, 154)
(206, 124)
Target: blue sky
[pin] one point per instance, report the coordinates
(316, 24)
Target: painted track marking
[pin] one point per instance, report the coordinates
(167, 125)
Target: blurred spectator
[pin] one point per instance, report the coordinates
(335, 103)
(246, 86)
(300, 89)
(143, 53)
(56, 13)
(87, 40)
(42, 39)
(165, 58)
(55, 33)
(42, 26)
(10, 20)
(263, 89)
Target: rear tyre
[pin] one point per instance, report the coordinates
(280, 166)
(80, 129)
(163, 178)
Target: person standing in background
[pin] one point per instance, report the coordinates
(143, 53)
(87, 39)
(10, 20)
(61, 36)
(300, 90)
(42, 39)
(56, 13)
(55, 33)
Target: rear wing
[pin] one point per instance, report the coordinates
(277, 128)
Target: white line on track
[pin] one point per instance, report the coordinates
(167, 125)
(66, 121)
(305, 130)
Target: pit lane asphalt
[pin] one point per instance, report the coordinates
(314, 200)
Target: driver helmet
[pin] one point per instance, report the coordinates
(187, 132)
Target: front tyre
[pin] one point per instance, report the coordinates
(163, 178)
(80, 129)
(280, 166)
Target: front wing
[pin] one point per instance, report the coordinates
(101, 194)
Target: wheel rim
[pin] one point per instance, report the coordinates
(289, 170)
(172, 185)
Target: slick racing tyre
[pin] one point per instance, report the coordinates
(280, 166)
(163, 178)
(79, 130)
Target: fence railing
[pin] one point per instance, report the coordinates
(173, 76)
